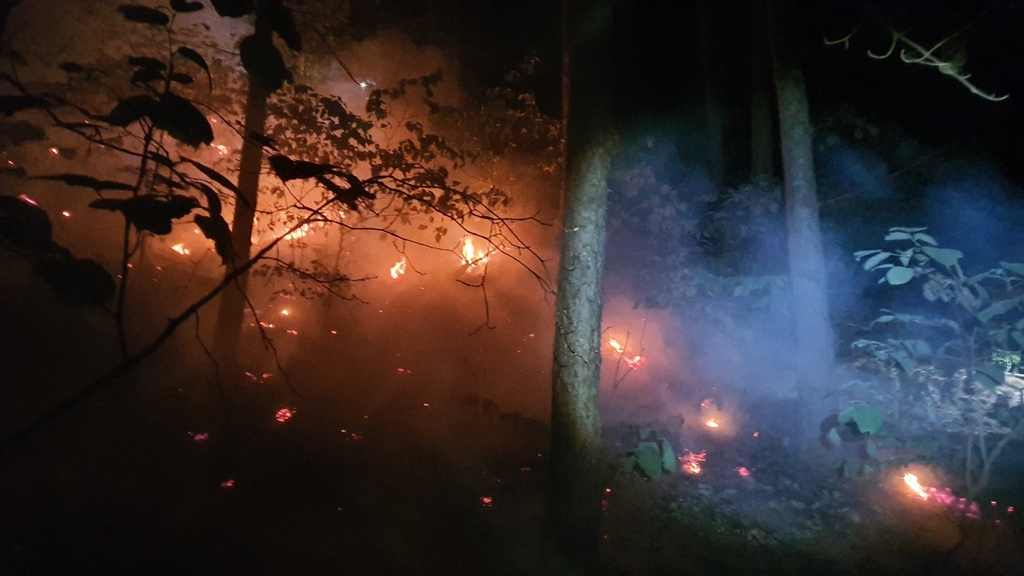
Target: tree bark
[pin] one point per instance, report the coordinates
(761, 143)
(714, 116)
(814, 338)
(233, 301)
(575, 483)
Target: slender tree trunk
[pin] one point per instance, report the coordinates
(575, 483)
(712, 98)
(807, 274)
(761, 141)
(232, 301)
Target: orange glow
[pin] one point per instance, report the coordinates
(284, 414)
(399, 268)
(223, 150)
(633, 362)
(27, 200)
(486, 501)
(180, 249)
(743, 472)
(66, 214)
(692, 462)
(285, 312)
(54, 150)
(915, 485)
(712, 423)
(470, 255)
(229, 483)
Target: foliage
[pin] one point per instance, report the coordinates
(652, 456)
(950, 364)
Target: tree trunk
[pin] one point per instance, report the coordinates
(575, 483)
(814, 339)
(712, 98)
(761, 142)
(232, 300)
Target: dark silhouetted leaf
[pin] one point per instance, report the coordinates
(150, 212)
(72, 67)
(160, 159)
(143, 75)
(288, 169)
(147, 62)
(12, 104)
(347, 196)
(216, 228)
(88, 182)
(184, 6)
(198, 59)
(232, 8)
(78, 282)
(280, 18)
(183, 121)
(25, 225)
(263, 62)
(220, 179)
(21, 131)
(181, 78)
(144, 14)
(133, 109)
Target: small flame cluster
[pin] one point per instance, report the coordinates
(399, 268)
(284, 414)
(633, 362)
(470, 255)
(692, 462)
(944, 498)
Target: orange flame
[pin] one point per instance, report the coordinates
(470, 255)
(692, 462)
(180, 249)
(915, 485)
(633, 362)
(399, 268)
(712, 423)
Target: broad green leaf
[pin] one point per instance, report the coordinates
(927, 239)
(898, 236)
(1015, 267)
(833, 437)
(862, 253)
(668, 456)
(908, 230)
(920, 347)
(648, 458)
(945, 256)
(867, 418)
(875, 260)
(998, 308)
(907, 363)
(899, 275)
(990, 375)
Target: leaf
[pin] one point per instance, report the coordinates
(263, 62)
(929, 290)
(220, 179)
(181, 78)
(144, 14)
(927, 239)
(883, 319)
(232, 8)
(627, 464)
(25, 225)
(867, 418)
(147, 62)
(899, 275)
(184, 6)
(288, 169)
(79, 282)
(668, 456)
(133, 109)
(871, 448)
(907, 364)
(920, 347)
(150, 212)
(898, 236)
(990, 375)
(281, 20)
(945, 256)
(833, 437)
(72, 67)
(88, 182)
(143, 75)
(12, 104)
(862, 253)
(876, 260)
(1018, 337)
(908, 230)
(197, 58)
(183, 121)
(648, 458)
(1015, 267)
(18, 132)
(216, 228)
(347, 196)
(999, 308)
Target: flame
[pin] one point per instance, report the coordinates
(300, 232)
(633, 362)
(54, 150)
(284, 414)
(743, 472)
(223, 150)
(712, 423)
(180, 249)
(27, 200)
(66, 214)
(399, 268)
(915, 485)
(470, 255)
(692, 462)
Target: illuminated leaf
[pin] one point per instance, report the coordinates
(198, 59)
(876, 260)
(898, 236)
(648, 458)
(945, 256)
(833, 437)
(867, 418)
(899, 275)
(1015, 267)
(144, 14)
(927, 239)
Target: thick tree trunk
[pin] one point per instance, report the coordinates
(807, 274)
(714, 115)
(574, 509)
(761, 141)
(232, 301)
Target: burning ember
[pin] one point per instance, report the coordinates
(229, 483)
(915, 485)
(712, 423)
(399, 268)
(470, 255)
(633, 362)
(27, 200)
(284, 414)
(692, 462)
(180, 249)
(743, 472)
(944, 498)
(486, 501)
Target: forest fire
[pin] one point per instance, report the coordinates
(915, 485)
(471, 256)
(712, 423)
(181, 249)
(284, 414)
(633, 362)
(399, 268)
(691, 462)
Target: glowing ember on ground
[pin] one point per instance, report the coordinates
(756, 434)
(199, 436)
(705, 403)
(691, 462)
(915, 485)
(399, 268)
(292, 332)
(180, 249)
(633, 362)
(743, 472)
(470, 255)
(284, 414)
(54, 150)
(285, 312)
(27, 200)
(486, 501)
(229, 483)
(66, 214)
(223, 150)
(712, 423)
